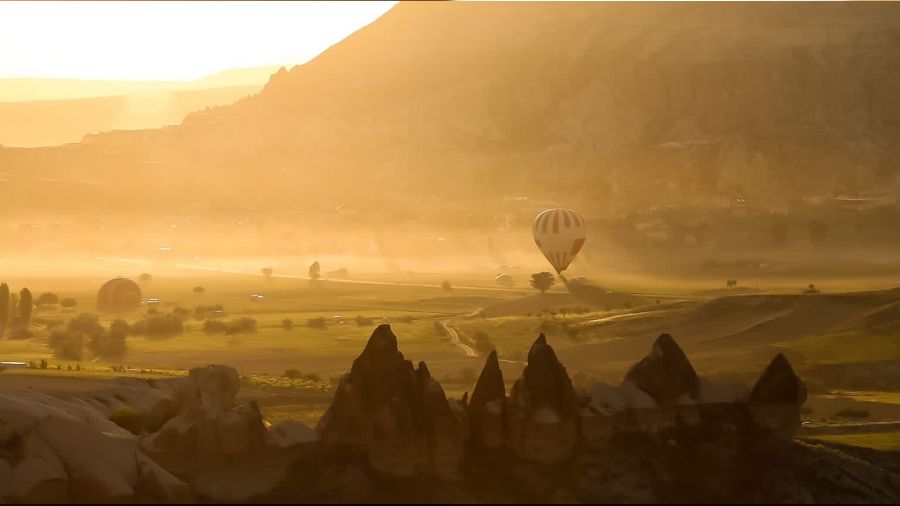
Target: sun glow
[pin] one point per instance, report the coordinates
(169, 40)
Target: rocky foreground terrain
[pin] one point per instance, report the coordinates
(391, 435)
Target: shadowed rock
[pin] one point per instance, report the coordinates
(542, 411)
(665, 374)
(210, 422)
(778, 384)
(399, 415)
(486, 408)
(776, 398)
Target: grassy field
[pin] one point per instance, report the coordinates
(595, 340)
(875, 440)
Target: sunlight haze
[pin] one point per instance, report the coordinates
(169, 40)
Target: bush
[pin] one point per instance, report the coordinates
(66, 344)
(287, 324)
(363, 321)
(46, 299)
(296, 374)
(110, 344)
(446, 285)
(483, 344)
(214, 326)
(852, 413)
(405, 319)
(145, 277)
(68, 302)
(316, 323)
(199, 289)
(126, 418)
(181, 312)
(163, 325)
(243, 325)
(213, 311)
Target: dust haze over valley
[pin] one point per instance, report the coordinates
(737, 171)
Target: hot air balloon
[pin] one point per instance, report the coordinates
(119, 295)
(560, 234)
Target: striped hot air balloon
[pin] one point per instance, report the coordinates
(560, 234)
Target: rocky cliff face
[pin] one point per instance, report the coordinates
(704, 100)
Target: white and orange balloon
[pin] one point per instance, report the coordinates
(560, 234)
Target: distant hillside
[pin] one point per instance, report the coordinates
(53, 122)
(34, 89)
(47, 112)
(610, 107)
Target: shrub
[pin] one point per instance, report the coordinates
(214, 326)
(46, 298)
(405, 319)
(163, 325)
(296, 374)
(181, 312)
(110, 344)
(199, 289)
(287, 324)
(126, 418)
(483, 344)
(145, 276)
(446, 285)
(362, 321)
(66, 344)
(852, 413)
(68, 302)
(213, 311)
(244, 325)
(316, 323)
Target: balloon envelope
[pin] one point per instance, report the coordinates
(560, 234)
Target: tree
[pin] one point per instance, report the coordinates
(542, 281)
(25, 306)
(731, 283)
(199, 290)
(314, 270)
(145, 276)
(446, 285)
(483, 344)
(287, 324)
(68, 302)
(267, 272)
(46, 299)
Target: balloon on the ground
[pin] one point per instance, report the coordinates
(560, 234)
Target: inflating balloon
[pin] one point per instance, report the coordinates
(560, 234)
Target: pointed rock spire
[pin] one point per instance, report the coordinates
(542, 413)
(778, 384)
(487, 405)
(665, 374)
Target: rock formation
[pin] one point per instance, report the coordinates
(542, 413)
(210, 422)
(399, 414)
(54, 450)
(487, 407)
(776, 398)
(665, 374)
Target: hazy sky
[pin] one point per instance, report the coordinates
(148, 40)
